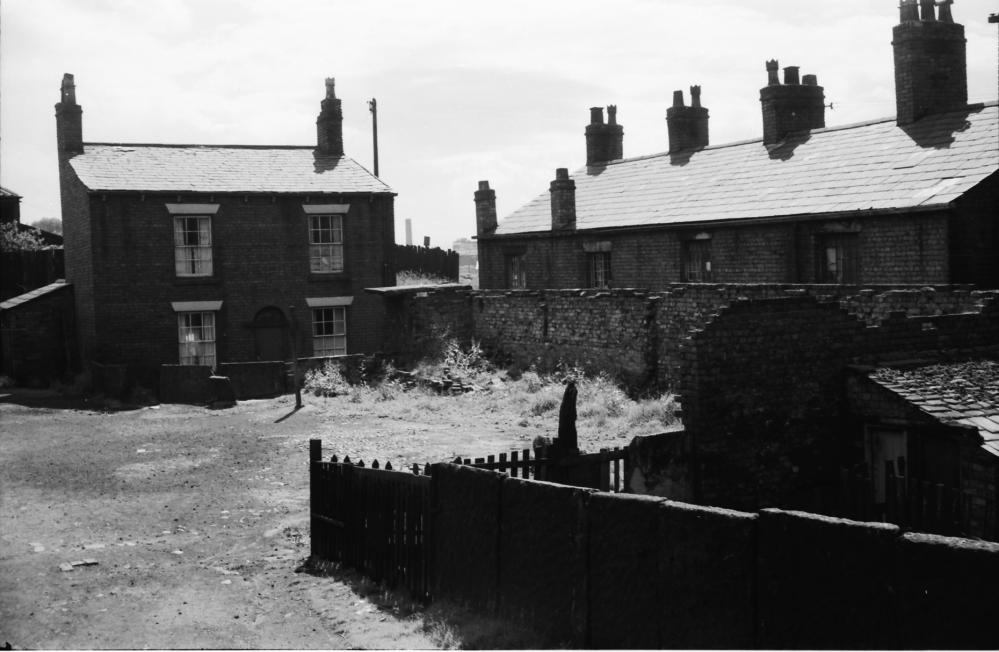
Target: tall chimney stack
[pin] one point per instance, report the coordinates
(687, 126)
(931, 68)
(604, 142)
(69, 119)
(791, 106)
(485, 209)
(329, 124)
(563, 194)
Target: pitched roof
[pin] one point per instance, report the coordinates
(965, 393)
(13, 302)
(870, 166)
(220, 168)
(4, 192)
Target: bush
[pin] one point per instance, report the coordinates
(328, 381)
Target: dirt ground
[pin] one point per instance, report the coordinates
(196, 520)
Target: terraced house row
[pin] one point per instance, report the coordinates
(910, 199)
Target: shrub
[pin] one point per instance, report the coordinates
(327, 381)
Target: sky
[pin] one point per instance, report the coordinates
(467, 90)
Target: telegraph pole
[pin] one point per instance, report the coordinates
(373, 105)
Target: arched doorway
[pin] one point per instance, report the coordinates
(270, 331)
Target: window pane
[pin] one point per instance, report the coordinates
(325, 243)
(192, 246)
(196, 338)
(329, 331)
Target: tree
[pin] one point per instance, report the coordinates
(50, 224)
(13, 238)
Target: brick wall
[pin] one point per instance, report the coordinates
(77, 245)
(762, 389)
(911, 248)
(260, 259)
(38, 342)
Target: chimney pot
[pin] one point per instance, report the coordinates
(772, 68)
(695, 96)
(810, 80)
(596, 115)
(791, 76)
(561, 174)
(678, 98)
(926, 8)
(483, 185)
(909, 11)
(612, 114)
(945, 15)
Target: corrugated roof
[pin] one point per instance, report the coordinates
(965, 393)
(870, 166)
(220, 168)
(13, 302)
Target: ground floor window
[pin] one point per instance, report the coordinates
(836, 258)
(329, 331)
(599, 269)
(196, 338)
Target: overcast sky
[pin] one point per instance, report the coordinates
(466, 90)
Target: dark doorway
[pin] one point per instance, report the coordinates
(270, 330)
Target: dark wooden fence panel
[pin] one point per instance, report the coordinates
(433, 262)
(604, 470)
(370, 519)
(23, 271)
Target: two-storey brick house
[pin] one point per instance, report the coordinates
(203, 254)
(904, 200)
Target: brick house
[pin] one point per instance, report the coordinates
(205, 254)
(904, 200)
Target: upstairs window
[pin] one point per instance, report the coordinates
(836, 258)
(192, 237)
(697, 259)
(516, 275)
(196, 338)
(325, 244)
(329, 331)
(599, 269)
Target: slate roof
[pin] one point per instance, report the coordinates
(220, 168)
(964, 393)
(862, 167)
(13, 302)
(4, 192)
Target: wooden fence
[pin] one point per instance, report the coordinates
(433, 262)
(605, 470)
(371, 519)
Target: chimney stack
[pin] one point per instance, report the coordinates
(329, 124)
(792, 106)
(604, 142)
(687, 125)
(69, 119)
(563, 192)
(485, 209)
(930, 61)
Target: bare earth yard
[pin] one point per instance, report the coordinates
(197, 519)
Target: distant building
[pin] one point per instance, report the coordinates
(910, 199)
(196, 254)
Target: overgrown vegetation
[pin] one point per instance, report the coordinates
(412, 277)
(605, 412)
(14, 239)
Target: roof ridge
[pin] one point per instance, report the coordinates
(199, 145)
(738, 143)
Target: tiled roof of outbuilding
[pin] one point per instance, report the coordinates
(220, 168)
(864, 167)
(964, 393)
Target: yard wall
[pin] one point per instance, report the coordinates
(634, 335)
(623, 571)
